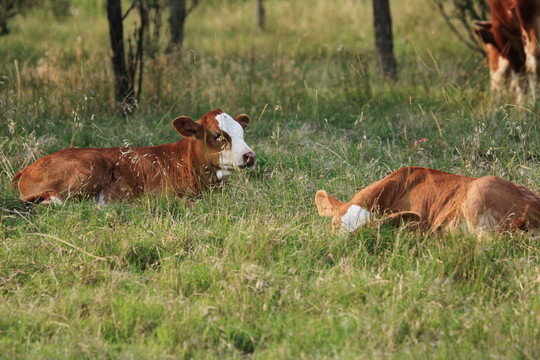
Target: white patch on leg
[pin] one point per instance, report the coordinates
(354, 218)
(498, 76)
(232, 158)
(530, 66)
(101, 198)
(53, 200)
(530, 63)
(515, 83)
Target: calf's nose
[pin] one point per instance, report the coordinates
(249, 159)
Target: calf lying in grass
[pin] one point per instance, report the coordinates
(212, 147)
(438, 200)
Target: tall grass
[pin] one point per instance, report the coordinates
(249, 269)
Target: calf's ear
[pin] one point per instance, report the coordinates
(188, 128)
(326, 204)
(242, 119)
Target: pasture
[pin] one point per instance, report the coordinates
(250, 269)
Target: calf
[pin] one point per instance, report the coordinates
(438, 200)
(211, 149)
(511, 42)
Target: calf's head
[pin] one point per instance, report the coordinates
(223, 139)
(346, 217)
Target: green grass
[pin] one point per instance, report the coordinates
(251, 270)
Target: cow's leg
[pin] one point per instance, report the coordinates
(530, 67)
(516, 84)
(47, 197)
(111, 194)
(124, 185)
(499, 69)
(531, 47)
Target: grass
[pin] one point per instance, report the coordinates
(250, 270)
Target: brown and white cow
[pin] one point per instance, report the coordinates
(438, 200)
(502, 70)
(212, 148)
(511, 43)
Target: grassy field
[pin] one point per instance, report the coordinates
(251, 270)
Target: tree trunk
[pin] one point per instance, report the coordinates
(259, 13)
(384, 40)
(176, 23)
(7, 11)
(116, 35)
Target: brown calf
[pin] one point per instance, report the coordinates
(438, 200)
(212, 147)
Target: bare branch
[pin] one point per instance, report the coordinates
(463, 18)
(133, 4)
(193, 6)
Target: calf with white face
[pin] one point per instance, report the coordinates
(212, 148)
(437, 200)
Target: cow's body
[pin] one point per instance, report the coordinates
(511, 43)
(211, 149)
(438, 200)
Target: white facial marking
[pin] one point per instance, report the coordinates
(232, 158)
(354, 218)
